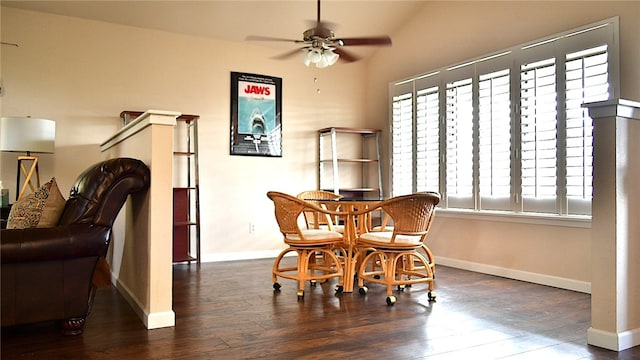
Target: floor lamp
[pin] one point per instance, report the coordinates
(27, 135)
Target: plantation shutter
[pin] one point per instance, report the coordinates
(459, 143)
(507, 131)
(427, 140)
(586, 81)
(538, 121)
(495, 140)
(402, 145)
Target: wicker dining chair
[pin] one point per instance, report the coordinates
(308, 244)
(387, 225)
(393, 258)
(315, 220)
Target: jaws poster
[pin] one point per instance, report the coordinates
(256, 123)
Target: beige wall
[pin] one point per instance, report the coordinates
(445, 33)
(84, 73)
(549, 254)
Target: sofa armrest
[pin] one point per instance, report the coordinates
(54, 243)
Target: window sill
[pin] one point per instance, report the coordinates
(575, 221)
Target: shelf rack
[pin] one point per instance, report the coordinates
(352, 169)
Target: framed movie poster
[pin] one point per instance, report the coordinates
(256, 108)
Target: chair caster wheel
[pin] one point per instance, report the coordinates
(401, 287)
(313, 282)
(432, 296)
(339, 289)
(391, 300)
(276, 286)
(300, 294)
(376, 276)
(363, 290)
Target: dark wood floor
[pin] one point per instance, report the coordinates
(229, 311)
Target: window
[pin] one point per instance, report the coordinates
(459, 141)
(507, 132)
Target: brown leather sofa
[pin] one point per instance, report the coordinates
(47, 272)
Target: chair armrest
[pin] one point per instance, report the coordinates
(54, 243)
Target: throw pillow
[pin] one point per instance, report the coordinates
(53, 207)
(28, 211)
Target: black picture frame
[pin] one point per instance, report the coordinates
(256, 115)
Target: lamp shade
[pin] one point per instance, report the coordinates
(24, 134)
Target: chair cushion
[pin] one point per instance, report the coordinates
(383, 239)
(380, 228)
(336, 228)
(39, 209)
(314, 237)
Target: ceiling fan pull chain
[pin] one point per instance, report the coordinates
(315, 81)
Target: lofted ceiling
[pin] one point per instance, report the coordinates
(235, 20)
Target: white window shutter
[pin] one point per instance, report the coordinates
(459, 143)
(428, 140)
(402, 149)
(495, 140)
(538, 121)
(586, 81)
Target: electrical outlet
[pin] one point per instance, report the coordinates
(252, 228)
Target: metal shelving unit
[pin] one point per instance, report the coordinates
(186, 191)
(349, 162)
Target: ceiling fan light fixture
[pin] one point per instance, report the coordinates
(322, 63)
(321, 58)
(322, 47)
(312, 56)
(331, 56)
(306, 60)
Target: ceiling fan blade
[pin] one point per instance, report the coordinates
(376, 40)
(345, 55)
(268, 38)
(288, 54)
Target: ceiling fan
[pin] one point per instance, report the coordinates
(322, 47)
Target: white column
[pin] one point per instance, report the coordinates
(615, 250)
(141, 250)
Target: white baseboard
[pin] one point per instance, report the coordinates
(249, 255)
(613, 341)
(150, 320)
(159, 320)
(536, 278)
